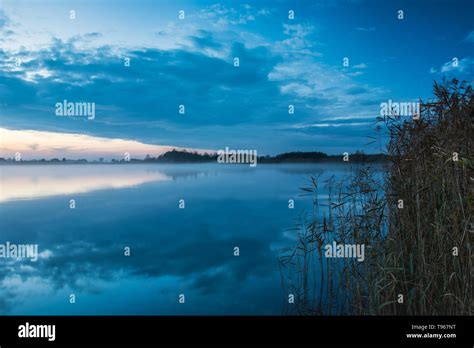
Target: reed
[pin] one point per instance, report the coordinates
(416, 222)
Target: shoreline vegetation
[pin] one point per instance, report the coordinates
(416, 223)
(177, 156)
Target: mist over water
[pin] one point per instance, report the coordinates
(173, 251)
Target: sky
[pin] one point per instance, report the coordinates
(47, 57)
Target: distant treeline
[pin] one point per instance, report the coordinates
(176, 156)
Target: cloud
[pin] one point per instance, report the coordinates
(368, 29)
(360, 66)
(299, 40)
(455, 66)
(93, 35)
(3, 20)
(5, 26)
(329, 91)
(354, 90)
(158, 81)
(192, 66)
(222, 15)
(205, 40)
(355, 73)
(325, 125)
(470, 37)
(37, 144)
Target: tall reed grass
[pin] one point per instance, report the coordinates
(416, 223)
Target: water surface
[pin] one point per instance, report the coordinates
(173, 251)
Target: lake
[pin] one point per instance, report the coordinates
(173, 251)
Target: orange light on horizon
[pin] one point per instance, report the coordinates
(32, 144)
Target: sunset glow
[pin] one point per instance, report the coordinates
(38, 144)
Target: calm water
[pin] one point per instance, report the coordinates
(173, 251)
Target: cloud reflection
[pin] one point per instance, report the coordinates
(21, 182)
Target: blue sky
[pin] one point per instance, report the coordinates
(46, 57)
